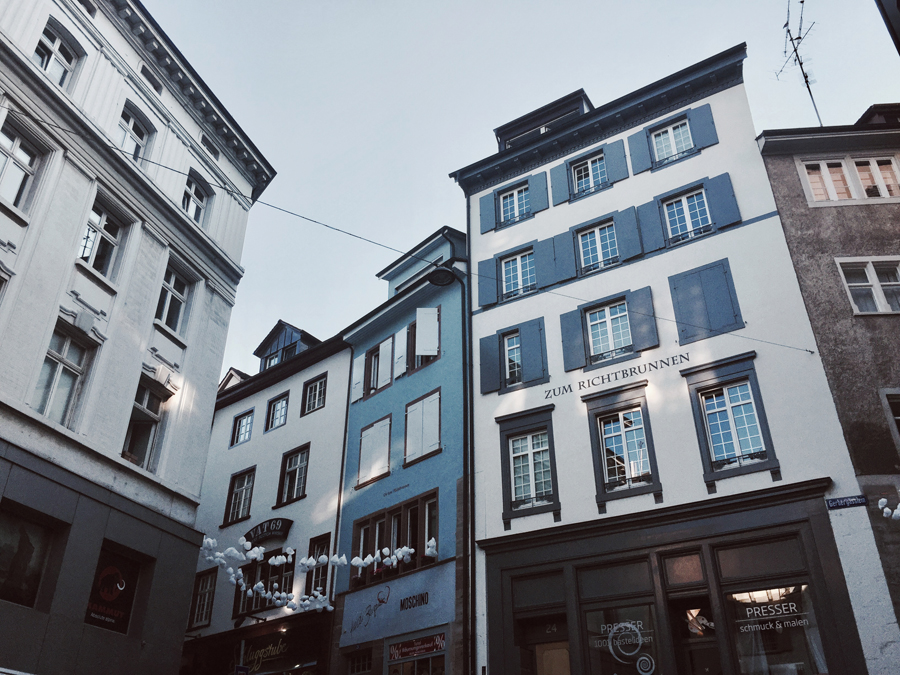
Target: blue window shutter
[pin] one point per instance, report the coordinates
(616, 166)
(628, 239)
(721, 302)
(651, 226)
(639, 148)
(489, 350)
(572, 340)
(703, 129)
(559, 183)
(723, 206)
(705, 302)
(544, 263)
(690, 307)
(488, 213)
(487, 282)
(564, 252)
(531, 335)
(641, 319)
(537, 192)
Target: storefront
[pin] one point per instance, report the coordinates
(402, 627)
(741, 585)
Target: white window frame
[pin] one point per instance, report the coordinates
(594, 175)
(96, 235)
(295, 470)
(169, 293)
(601, 262)
(276, 412)
(828, 182)
(142, 411)
(669, 133)
(241, 428)
(873, 284)
(698, 222)
(195, 200)
(519, 204)
(890, 400)
(879, 182)
(18, 155)
(739, 456)
(632, 436)
(530, 452)
(512, 359)
(53, 43)
(204, 595)
(314, 394)
(514, 285)
(60, 357)
(858, 194)
(240, 496)
(618, 341)
(127, 134)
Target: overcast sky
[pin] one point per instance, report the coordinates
(365, 107)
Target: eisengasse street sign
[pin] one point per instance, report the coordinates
(846, 502)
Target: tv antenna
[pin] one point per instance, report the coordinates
(791, 45)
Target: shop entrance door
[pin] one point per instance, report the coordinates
(694, 636)
(544, 643)
(552, 658)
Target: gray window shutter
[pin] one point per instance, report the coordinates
(722, 203)
(628, 239)
(564, 254)
(489, 353)
(537, 192)
(721, 301)
(488, 213)
(532, 340)
(639, 148)
(641, 319)
(705, 302)
(559, 183)
(544, 263)
(703, 129)
(572, 340)
(487, 282)
(651, 226)
(690, 307)
(616, 166)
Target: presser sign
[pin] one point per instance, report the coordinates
(846, 502)
(269, 529)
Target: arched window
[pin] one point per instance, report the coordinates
(57, 54)
(133, 133)
(197, 197)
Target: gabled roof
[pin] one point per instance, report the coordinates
(232, 377)
(306, 338)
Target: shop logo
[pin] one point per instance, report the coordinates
(111, 583)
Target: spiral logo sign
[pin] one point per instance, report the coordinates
(625, 641)
(625, 646)
(645, 664)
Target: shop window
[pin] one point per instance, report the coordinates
(275, 578)
(621, 639)
(24, 548)
(317, 577)
(202, 600)
(358, 664)
(423, 665)
(694, 635)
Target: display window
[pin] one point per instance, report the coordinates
(622, 640)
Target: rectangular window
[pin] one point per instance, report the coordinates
(100, 242)
(530, 458)
(514, 205)
(828, 181)
(378, 367)
(276, 412)
(113, 613)
(518, 275)
(627, 462)
(873, 285)
(687, 217)
(513, 351)
(423, 338)
(172, 301)
(375, 451)
(423, 426)
(240, 493)
(314, 394)
(589, 175)
(142, 428)
(61, 378)
(732, 427)
(528, 463)
(514, 357)
(610, 332)
(294, 466)
(202, 601)
(317, 577)
(241, 428)
(672, 142)
(24, 548)
(54, 56)
(274, 578)
(358, 664)
(18, 162)
(598, 248)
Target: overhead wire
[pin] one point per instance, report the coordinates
(289, 212)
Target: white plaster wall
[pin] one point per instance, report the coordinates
(316, 513)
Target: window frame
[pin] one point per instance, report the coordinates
(669, 130)
(270, 412)
(229, 500)
(302, 475)
(701, 128)
(601, 405)
(850, 170)
(493, 357)
(869, 264)
(190, 202)
(244, 606)
(694, 230)
(423, 454)
(603, 263)
(236, 432)
(61, 38)
(889, 396)
(717, 375)
(199, 579)
(125, 130)
(102, 235)
(81, 372)
(308, 387)
(562, 176)
(316, 544)
(515, 426)
(373, 367)
(714, 307)
(415, 363)
(154, 419)
(166, 292)
(521, 204)
(518, 259)
(371, 479)
(491, 209)
(29, 170)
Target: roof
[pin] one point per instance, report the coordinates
(305, 337)
(445, 232)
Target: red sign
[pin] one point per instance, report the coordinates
(417, 647)
(112, 594)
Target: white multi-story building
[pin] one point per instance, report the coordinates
(125, 188)
(654, 438)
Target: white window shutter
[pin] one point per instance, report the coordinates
(431, 423)
(382, 442)
(366, 456)
(414, 430)
(384, 363)
(359, 370)
(427, 333)
(400, 352)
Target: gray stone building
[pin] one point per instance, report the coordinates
(838, 195)
(125, 188)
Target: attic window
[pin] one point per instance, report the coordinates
(208, 144)
(543, 129)
(151, 80)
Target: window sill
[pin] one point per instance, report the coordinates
(515, 295)
(600, 267)
(508, 389)
(280, 426)
(690, 235)
(376, 392)
(377, 478)
(410, 371)
(642, 489)
(514, 221)
(289, 502)
(96, 276)
(675, 159)
(509, 513)
(710, 477)
(15, 214)
(169, 333)
(422, 458)
(611, 362)
(234, 522)
(852, 202)
(578, 196)
(310, 412)
(887, 313)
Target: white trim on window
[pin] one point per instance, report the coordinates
(55, 56)
(514, 205)
(687, 217)
(872, 284)
(100, 243)
(672, 142)
(609, 331)
(598, 247)
(847, 179)
(518, 274)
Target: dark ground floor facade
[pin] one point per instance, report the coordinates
(743, 585)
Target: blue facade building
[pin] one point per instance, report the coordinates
(402, 522)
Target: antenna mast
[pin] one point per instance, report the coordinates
(795, 54)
